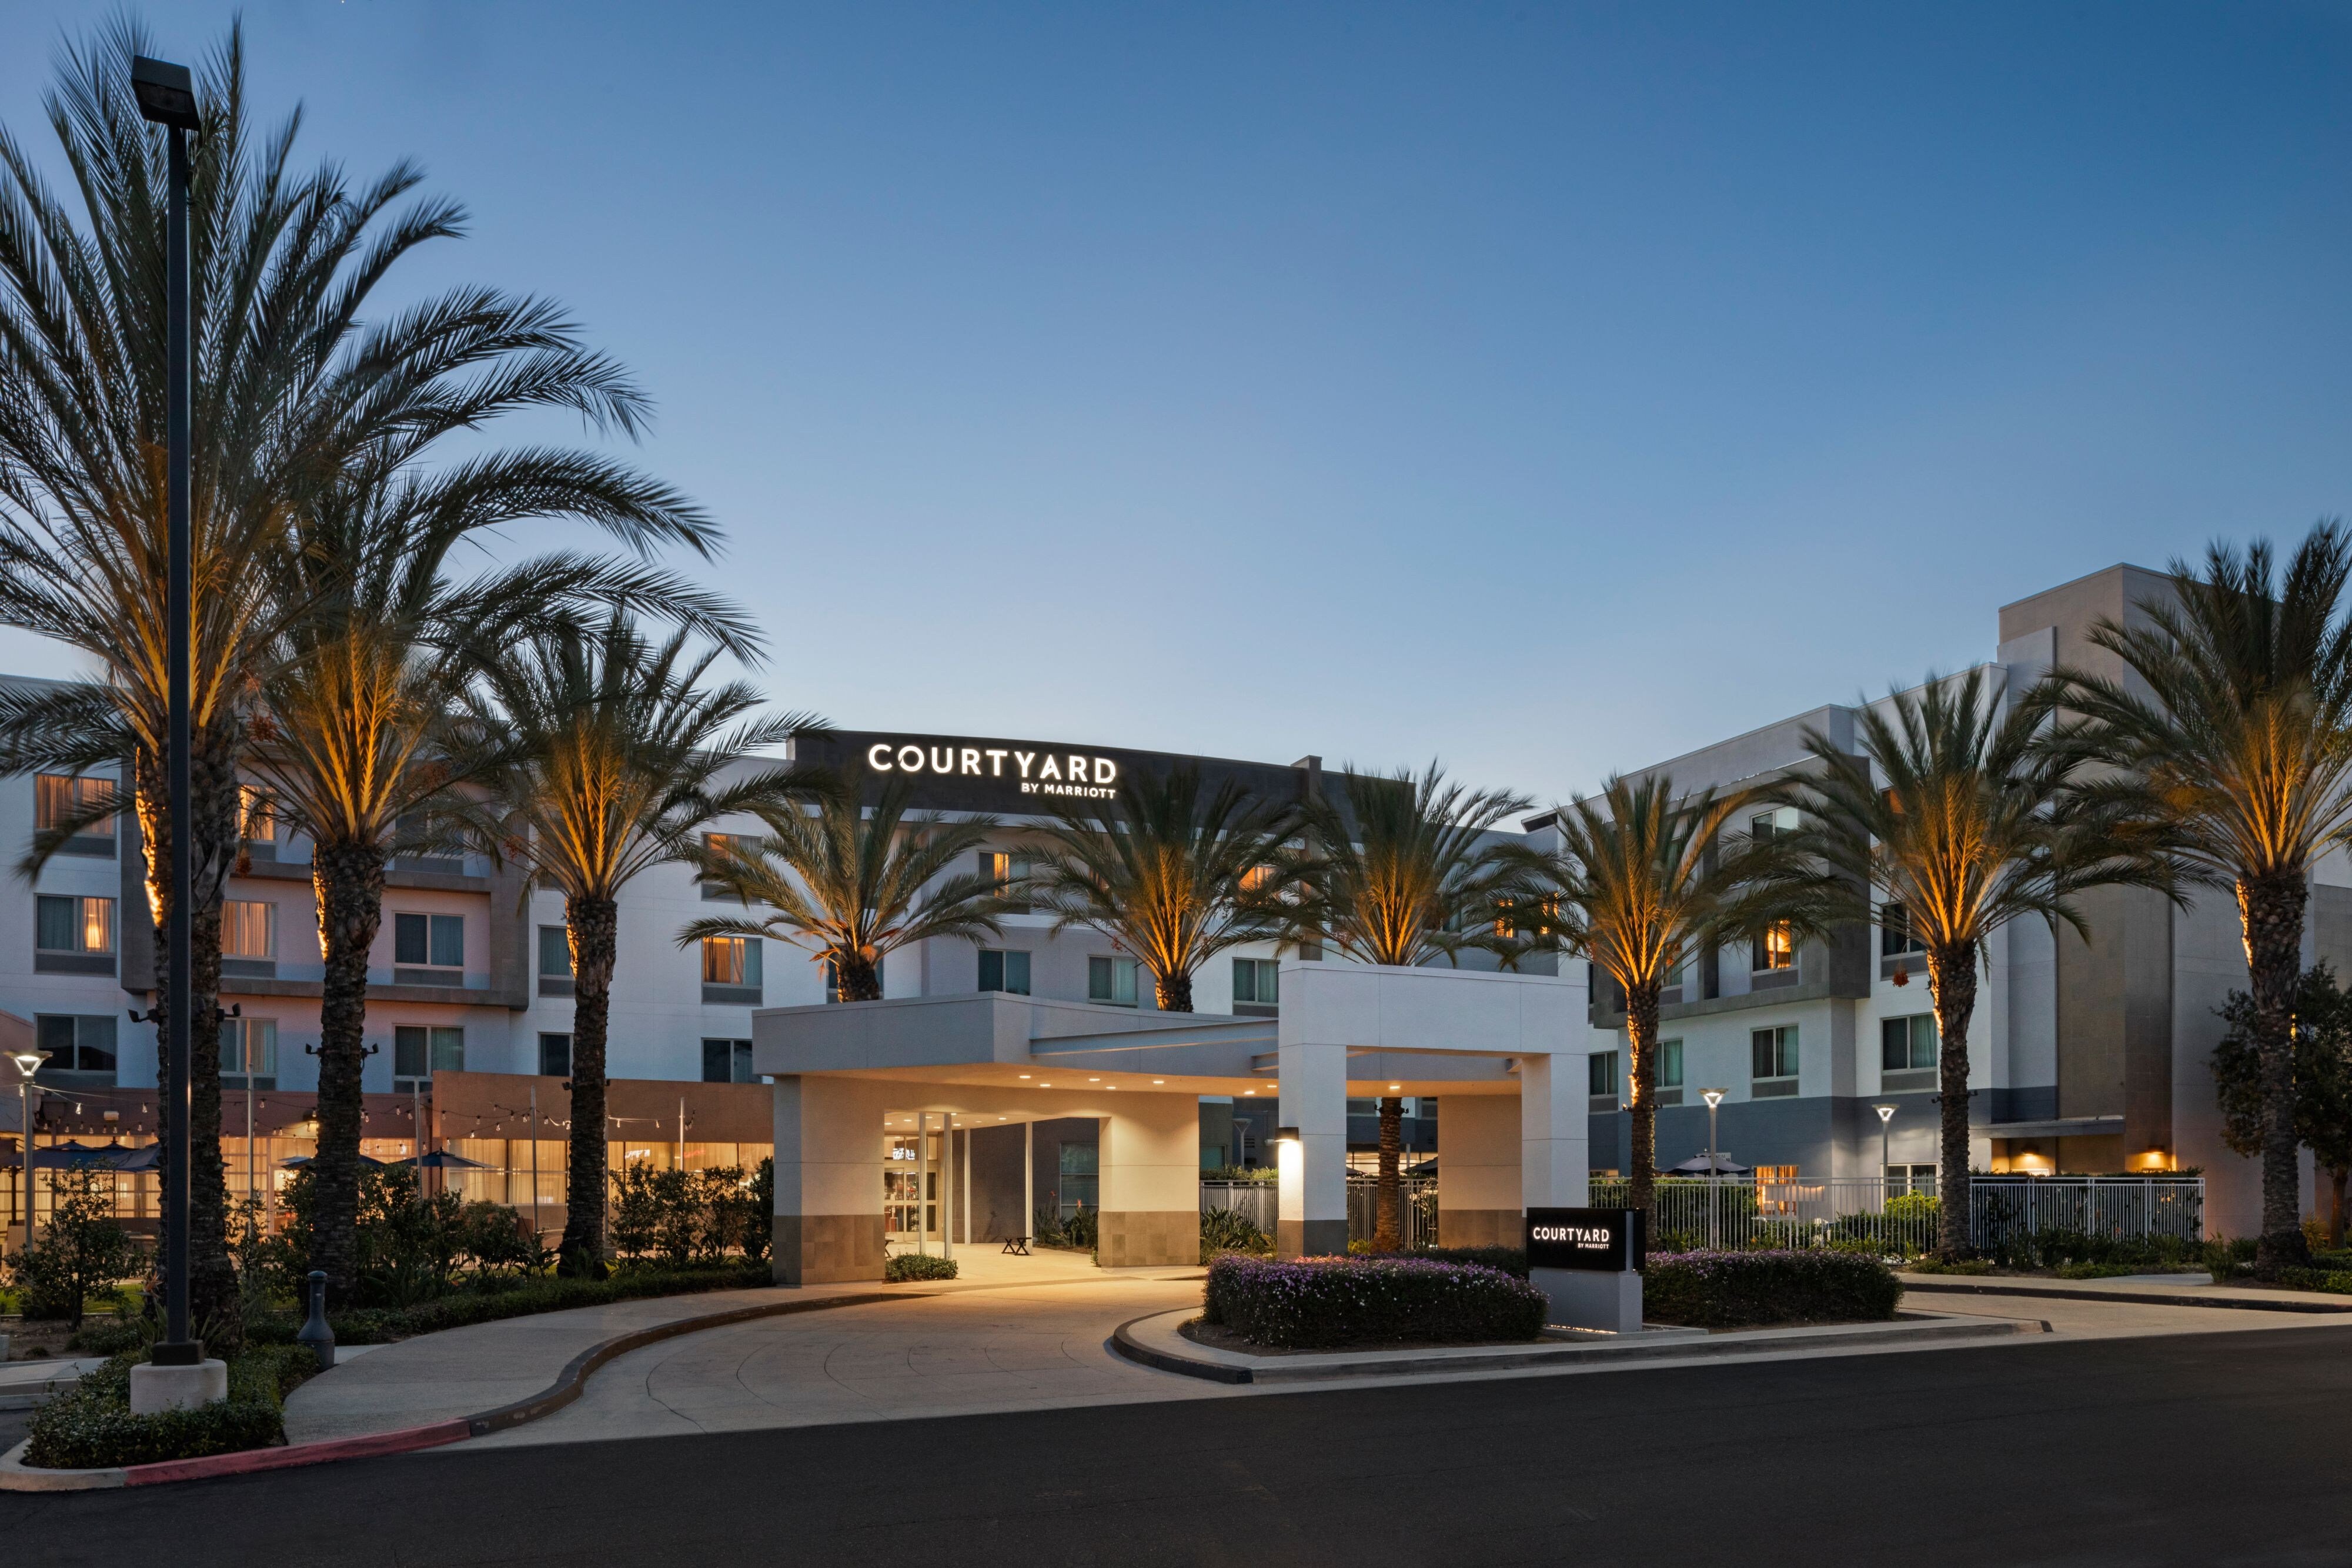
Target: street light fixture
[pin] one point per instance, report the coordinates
(1885, 1115)
(29, 1062)
(167, 97)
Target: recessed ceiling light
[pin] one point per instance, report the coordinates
(1249, 1093)
(1159, 1080)
(1394, 1087)
(1044, 1086)
(1024, 1075)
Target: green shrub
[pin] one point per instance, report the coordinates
(1964, 1266)
(93, 1427)
(1735, 1290)
(80, 1254)
(1228, 1230)
(489, 1300)
(917, 1265)
(1317, 1302)
(2334, 1281)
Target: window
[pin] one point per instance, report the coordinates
(1080, 1178)
(1669, 1073)
(1600, 1079)
(417, 1053)
(1772, 824)
(1910, 1178)
(1007, 871)
(731, 960)
(1775, 947)
(59, 799)
(1256, 878)
(554, 960)
(727, 1061)
(1774, 1063)
(257, 814)
(1906, 1051)
(249, 928)
(555, 1056)
(73, 935)
(429, 941)
(76, 1043)
(1111, 980)
(720, 847)
(1894, 937)
(1005, 971)
(1256, 985)
(249, 1049)
(731, 971)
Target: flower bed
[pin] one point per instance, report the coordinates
(1741, 1289)
(1324, 1301)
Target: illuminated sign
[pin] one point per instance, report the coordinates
(1607, 1241)
(1078, 773)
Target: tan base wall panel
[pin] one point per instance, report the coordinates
(827, 1248)
(1132, 1238)
(1480, 1227)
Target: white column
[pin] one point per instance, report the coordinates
(1150, 1181)
(829, 1163)
(1554, 1163)
(965, 1185)
(1028, 1177)
(946, 1183)
(1313, 1172)
(1478, 1152)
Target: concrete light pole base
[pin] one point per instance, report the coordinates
(155, 1389)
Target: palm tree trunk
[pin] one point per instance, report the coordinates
(1174, 992)
(2272, 909)
(2335, 1179)
(595, 941)
(1642, 1093)
(1387, 1235)
(856, 978)
(214, 1310)
(349, 879)
(1952, 981)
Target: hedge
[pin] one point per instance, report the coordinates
(93, 1427)
(1323, 1301)
(460, 1308)
(1736, 1290)
(917, 1265)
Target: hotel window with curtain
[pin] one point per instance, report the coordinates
(1907, 1052)
(1894, 935)
(1258, 986)
(1600, 1080)
(554, 960)
(1111, 981)
(418, 1052)
(1005, 873)
(248, 1051)
(1004, 970)
(59, 800)
(1773, 948)
(248, 937)
(429, 949)
(73, 935)
(82, 1044)
(1670, 1072)
(730, 971)
(1773, 1053)
(720, 847)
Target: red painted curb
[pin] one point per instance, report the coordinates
(400, 1442)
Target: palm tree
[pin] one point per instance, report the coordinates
(2241, 745)
(1643, 883)
(355, 735)
(619, 756)
(1405, 871)
(1172, 878)
(293, 380)
(853, 884)
(1956, 820)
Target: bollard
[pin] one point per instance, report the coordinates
(315, 1332)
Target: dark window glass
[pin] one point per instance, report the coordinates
(1005, 971)
(717, 1061)
(412, 939)
(555, 1055)
(555, 951)
(411, 1048)
(1601, 1069)
(449, 941)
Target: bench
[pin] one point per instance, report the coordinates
(1018, 1244)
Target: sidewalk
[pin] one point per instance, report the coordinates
(465, 1372)
(2144, 1290)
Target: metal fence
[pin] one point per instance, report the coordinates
(1416, 1208)
(1904, 1216)
(1255, 1201)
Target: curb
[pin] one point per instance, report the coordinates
(1407, 1364)
(2139, 1298)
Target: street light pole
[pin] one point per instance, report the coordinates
(167, 97)
(29, 1062)
(1714, 1097)
(1885, 1115)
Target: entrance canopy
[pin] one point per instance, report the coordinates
(844, 1071)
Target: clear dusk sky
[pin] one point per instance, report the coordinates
(1545, 388)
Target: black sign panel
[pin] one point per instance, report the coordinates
(1023, 778)
(1603, 1240)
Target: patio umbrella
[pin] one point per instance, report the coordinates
(1696, 1166)
(298, 1161)
(80, 1157)
(443, 1160)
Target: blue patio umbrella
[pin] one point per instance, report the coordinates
(443, 1160)
(298, 1160)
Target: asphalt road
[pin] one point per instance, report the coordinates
(2214, 1449)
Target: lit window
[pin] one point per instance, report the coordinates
(731, 960)
(1257, 877)
(59, 799)
(257, 814)
(249, 928)
(73, 924)
(1007, 873)
(1775, 948)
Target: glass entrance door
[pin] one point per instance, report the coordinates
(900, 1198)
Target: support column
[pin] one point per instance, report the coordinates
(1555, 1165)
(1150, 1169)
(828, 1180)
(1313, 1221)
(1479, 1171)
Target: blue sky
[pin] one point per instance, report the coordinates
(1544, 388)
